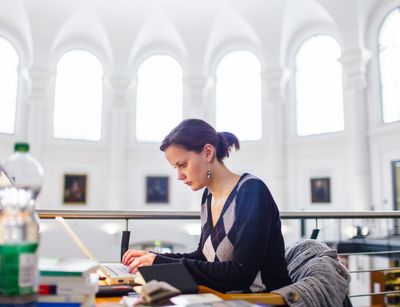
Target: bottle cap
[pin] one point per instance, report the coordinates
(21, 147)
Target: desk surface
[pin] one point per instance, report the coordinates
(265, 298)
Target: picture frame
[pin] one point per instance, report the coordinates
(320, 190)
(75, 189)
(157, 189)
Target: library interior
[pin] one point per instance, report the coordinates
(120, 125)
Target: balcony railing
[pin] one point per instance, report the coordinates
(381, 246)
(166, 214)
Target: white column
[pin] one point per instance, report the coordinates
(39, 82)
(197, 102)
(273, 101)
(119, 89)
(355, 63)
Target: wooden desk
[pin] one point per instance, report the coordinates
(265, 298)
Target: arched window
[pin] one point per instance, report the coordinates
(159, 98)
(8, 86)
(389, 60)
(238, 95)
(78, 97)
(319, 87)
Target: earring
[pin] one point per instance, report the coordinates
(209, 174)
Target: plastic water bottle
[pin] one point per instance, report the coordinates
(24, 171)
(22, 178)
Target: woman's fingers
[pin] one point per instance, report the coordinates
(135, 264)
(131, 254)
(144, 260)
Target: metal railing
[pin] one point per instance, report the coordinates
(127, 215)
(170, 214)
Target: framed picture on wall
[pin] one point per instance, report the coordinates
(320, 190)
(157, 189)
(75, 189)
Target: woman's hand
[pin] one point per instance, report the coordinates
(131, 254)
(144, 260)
(135, 258)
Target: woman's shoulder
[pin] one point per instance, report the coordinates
(253, 186)
(249, 181)
(252, 189)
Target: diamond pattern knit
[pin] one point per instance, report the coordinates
(244, 251)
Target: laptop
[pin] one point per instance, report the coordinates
(115, 272)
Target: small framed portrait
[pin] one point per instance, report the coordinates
(75, 189)
(320, 190)
(157, 189)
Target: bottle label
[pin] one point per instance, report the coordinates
(18, 269)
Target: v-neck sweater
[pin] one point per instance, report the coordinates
(245, 249)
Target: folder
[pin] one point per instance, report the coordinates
(175, 274)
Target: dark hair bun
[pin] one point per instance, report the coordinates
(193, 134)
(227, 140)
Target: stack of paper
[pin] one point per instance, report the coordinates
(67, 282)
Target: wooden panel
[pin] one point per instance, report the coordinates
(377, 278)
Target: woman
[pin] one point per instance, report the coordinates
(241, 245)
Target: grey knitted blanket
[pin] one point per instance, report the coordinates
(319, 279)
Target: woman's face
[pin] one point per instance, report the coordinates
(191, 166)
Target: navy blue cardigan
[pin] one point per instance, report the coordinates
(245, 250)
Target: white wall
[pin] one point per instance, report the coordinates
(357, 160)
(124, 33)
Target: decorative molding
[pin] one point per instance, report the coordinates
(274, 81)
(198, 87)
(119, 88)
(355, 64)
(38, 84)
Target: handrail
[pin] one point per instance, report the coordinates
(370, 253)
(117, 214)
(192, 215)
(187, 215)
(375, 270)
(374, 293)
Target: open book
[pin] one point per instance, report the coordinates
(157, 292)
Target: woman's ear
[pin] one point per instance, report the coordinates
(209, 152)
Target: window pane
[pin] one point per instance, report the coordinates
(389, 60)
(78, 97)
(318, 82)
(238, 95)
(159, 98)
(8, 84)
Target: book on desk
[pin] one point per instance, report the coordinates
(175, 274)
(67, 282)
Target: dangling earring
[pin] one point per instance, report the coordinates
(209, 174)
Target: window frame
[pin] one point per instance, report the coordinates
(292, 114)
(104, 139)
(379, 66)
(132, 128)
(18, 129)
(374, 99)
(217, 60)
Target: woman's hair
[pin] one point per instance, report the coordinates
(193, 134)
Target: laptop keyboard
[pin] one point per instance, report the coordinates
(117, 269)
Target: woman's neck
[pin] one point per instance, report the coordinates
(222, 181)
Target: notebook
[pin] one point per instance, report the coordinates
(115, 272)
(174, 274)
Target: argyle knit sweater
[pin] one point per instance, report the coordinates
(245, 250)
